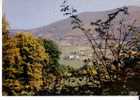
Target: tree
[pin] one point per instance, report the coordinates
(54, 54)
(34, 59)
(11, 56)
(112, 44)
(24, 61)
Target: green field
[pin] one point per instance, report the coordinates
(76, 63)
(73, 63)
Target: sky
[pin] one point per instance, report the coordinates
(27, 14)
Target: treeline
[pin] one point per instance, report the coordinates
(27, 59)
(31, 64)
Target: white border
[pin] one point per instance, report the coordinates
(53, 97)
(1, 47)
(73, 98)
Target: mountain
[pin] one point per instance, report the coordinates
(62, 30)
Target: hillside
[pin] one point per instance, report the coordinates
(62, 30)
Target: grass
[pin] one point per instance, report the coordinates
(73, 63)
(66, 50)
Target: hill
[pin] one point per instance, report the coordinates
(61, 31)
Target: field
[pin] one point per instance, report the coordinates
(79, 53)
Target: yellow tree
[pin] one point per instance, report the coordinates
(34, 59)
(24, 60)
(11, 56)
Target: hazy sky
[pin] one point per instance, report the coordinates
(26, 14)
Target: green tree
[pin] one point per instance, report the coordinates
(54, 54)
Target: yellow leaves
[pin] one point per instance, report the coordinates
(11, 70)
(36, 82)
(10, 52)
(14, 52)
(13, 84)
(32, 45)
(35, 73)
(88, 70)
(32, 48)
(12, 55)
(24, 58)
(17, 85)
(92, 71)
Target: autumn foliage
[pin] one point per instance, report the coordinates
(30, 64)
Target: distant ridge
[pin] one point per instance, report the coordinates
(62, 30)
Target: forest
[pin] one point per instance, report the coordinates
(31, 67)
